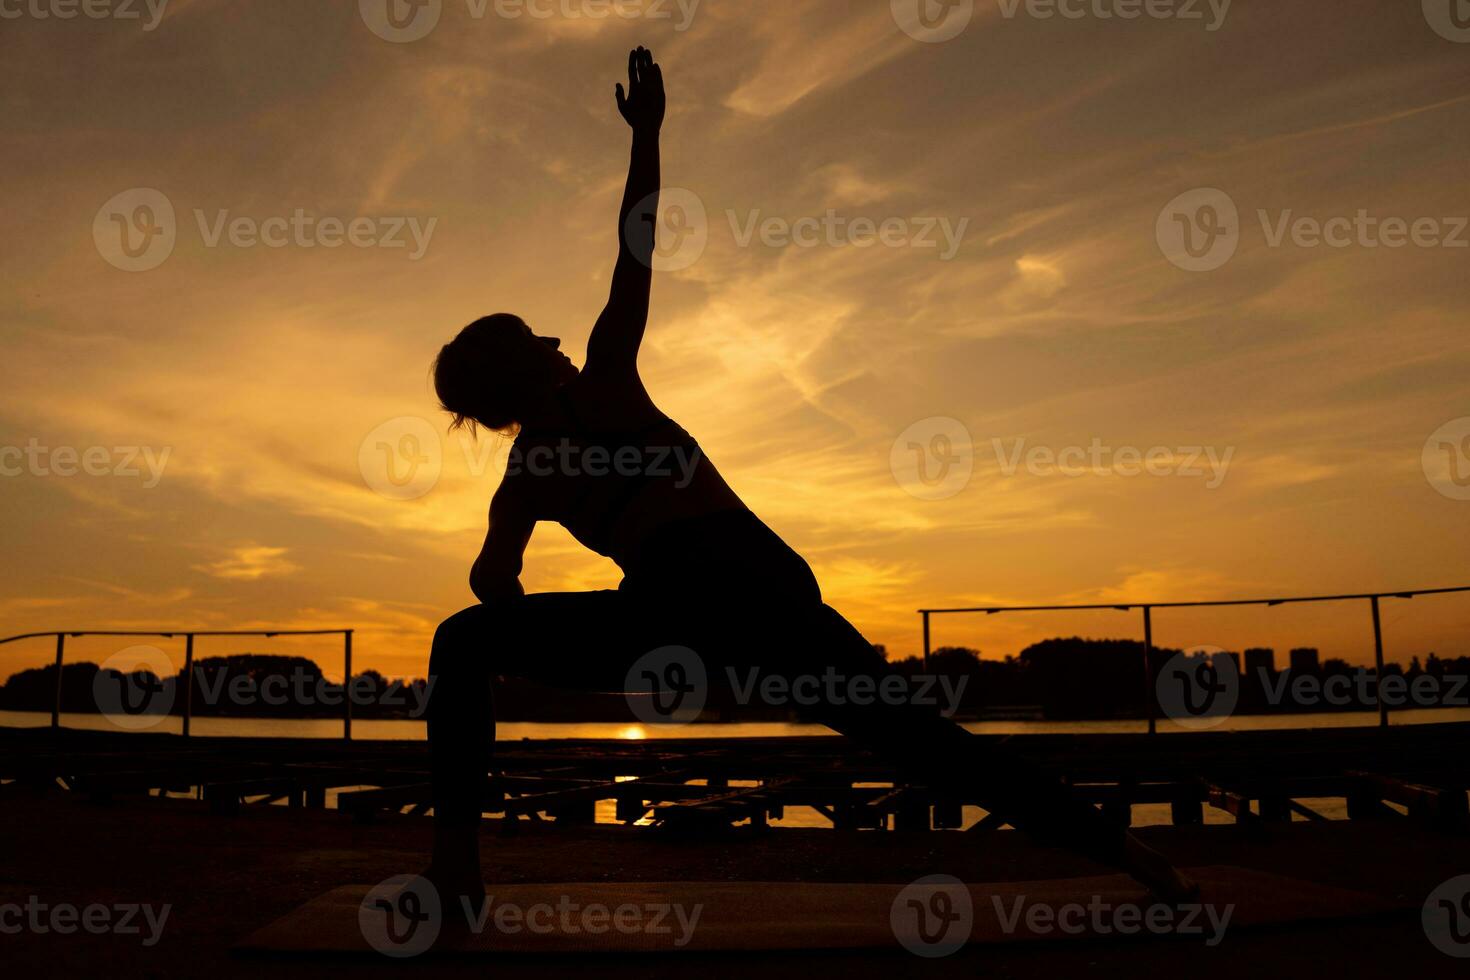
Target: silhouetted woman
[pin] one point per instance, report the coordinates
(701, 571)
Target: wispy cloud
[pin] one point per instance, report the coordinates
(250, 563)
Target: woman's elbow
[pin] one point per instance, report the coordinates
(489, 587)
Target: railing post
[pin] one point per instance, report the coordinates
(188, 681)
(925, 614)
(1378, 661)
(1148, 671)
(347, 685)
(56, 705)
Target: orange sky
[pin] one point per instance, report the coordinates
(1051, 147)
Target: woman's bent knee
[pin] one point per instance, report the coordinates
(460, 664)
(460, 639)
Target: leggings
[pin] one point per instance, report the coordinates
(729, 589)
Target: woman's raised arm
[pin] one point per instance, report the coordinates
(613, 346)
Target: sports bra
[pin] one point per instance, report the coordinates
(585, 480)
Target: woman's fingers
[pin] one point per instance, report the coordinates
(643, 72)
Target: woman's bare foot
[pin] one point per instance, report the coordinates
(454, 871)
(461, 897)
(1157, 874)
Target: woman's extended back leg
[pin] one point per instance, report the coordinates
(935, 750)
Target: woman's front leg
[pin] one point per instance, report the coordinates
(582, 640)
(461, 731)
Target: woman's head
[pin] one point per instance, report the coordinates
(496, 370)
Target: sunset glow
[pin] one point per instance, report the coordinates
(1043, 313)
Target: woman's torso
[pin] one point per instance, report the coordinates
(612, 481)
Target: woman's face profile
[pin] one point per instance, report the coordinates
(543, 358)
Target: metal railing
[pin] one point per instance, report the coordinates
(188, 636)
(1148, 632)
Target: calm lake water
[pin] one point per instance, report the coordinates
(1143, 815)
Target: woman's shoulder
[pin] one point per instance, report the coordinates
(599, 405)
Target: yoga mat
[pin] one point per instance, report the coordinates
(934, 916)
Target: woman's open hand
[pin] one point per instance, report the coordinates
(643, 103)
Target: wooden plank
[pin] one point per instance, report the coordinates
(1439, 808)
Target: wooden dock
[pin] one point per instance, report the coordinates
(1418, 774)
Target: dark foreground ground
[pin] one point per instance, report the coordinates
(227, 875)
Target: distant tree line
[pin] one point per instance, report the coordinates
(245, 685)
(1059, 679)
(1075, 678)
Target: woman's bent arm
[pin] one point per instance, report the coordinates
(496, 573)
